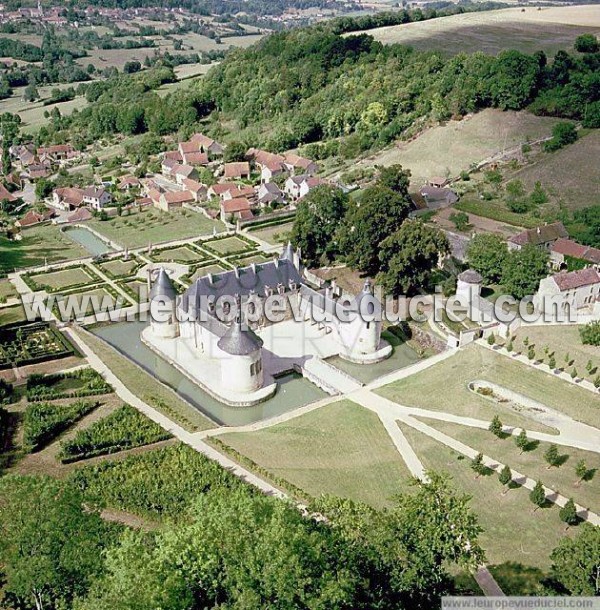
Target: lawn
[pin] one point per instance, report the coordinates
(512, 532)
(7, 290)
(135, 289)
(202, 271)
(40, 245)
(64, 278)
(95, 301)
(493, 31)
(244, 261)
(179, 254)
(446, 150)
(443, 387)
(228, 245)
(9, 315)
(340, 449)
(140, 383)
(154, 226)
(278, 234)
(563, 341)
(532, 463)
(118, 267)
(570, 175)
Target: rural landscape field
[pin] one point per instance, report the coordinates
(299, 304)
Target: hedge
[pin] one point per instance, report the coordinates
(39, 387)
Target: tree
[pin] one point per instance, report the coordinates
(576, 562)
(317, 219)
(521, 440)
(409, 255)
(563, 134)
(394, 177)
(581, 470)
(477, 465)
(50, 548)
(538, 195)
(31, 93)
(590, 333)
(132, 66)
(552, 456)
(538, 495)
(235, 151)
(43, 188)
(460, 220)
(552, 362)
(496, 427)
(568, 513)
(505, 477)
(587, 43)
(523, 270)
(487, 254)
(378, 213)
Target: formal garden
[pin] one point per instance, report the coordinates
(72, 384)
(119, 268)
(185, 254)
(32, 343)
(228, 245)
(67, 278)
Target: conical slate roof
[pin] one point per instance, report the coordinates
(239, 341)
(162, 287)
(288, 252)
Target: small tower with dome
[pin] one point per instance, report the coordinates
(163, 307)
(468, 285)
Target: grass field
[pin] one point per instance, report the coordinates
(153, 226)
(64, 278)
(179, 254)
(443, 387)
(527, 30)
(228, 245)
(512, 532)
(340, 449)
(7, 290)
(9, 315)
(570, 175)
(532, 463)
(563, 341)
(202, 271)
(38, 246)
(244, 261)
(448, 149)
(278, 234)
(119, 267)
(147, 388)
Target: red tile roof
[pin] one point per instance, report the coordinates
(236, 170)
(567, 247)
(235, 205)
(577, 279)
(178, 197)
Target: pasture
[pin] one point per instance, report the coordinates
(446, 150)
(340, 449)
(525, 29)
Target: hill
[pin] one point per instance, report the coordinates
(525, 29)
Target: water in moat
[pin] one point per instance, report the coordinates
(84, 237)
(293, 390)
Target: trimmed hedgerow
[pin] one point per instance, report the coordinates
(43, 421)
(125, 428)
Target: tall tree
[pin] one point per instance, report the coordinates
(50, 548)
(523, 271)
(487, 254)
(378, 213)
(316, 223)
(409, 255)
(576, 561)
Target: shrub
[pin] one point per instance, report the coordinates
(76, 384)
(123, 429)
(43, 421)
(590, 333)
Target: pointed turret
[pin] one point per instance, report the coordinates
(239, 341)
(162, 287)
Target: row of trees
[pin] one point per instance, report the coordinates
(371, 233)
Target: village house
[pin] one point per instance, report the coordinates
(195, 158)
(154, 195)
(236, 208)
(568, 291)
(183, 172)
(438, 197)
(58, 152)
(128, 182)
(269, 193)
(219, 190)
(197, 189)
(80, 215)
(438, 182)
(6, 195)
(37, 171)
(564, 249)
(239, 191)
(168, 166)
(96, 196)
(542, 237)
(297, 187)
(173, 155)
(33, 218)
(67, 198)
(174, 199)
(297, 164)
(236, 171)
(270, 165)
(207, 145)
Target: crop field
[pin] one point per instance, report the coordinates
(448, 149)
(571, 174)
(527, 29)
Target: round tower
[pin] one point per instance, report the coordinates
(163, 307)
(468, 285)
(241, 366)
(363, 334)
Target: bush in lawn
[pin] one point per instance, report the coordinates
(123, 429)
(155, 484)
(41, 387)
(44, 421)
